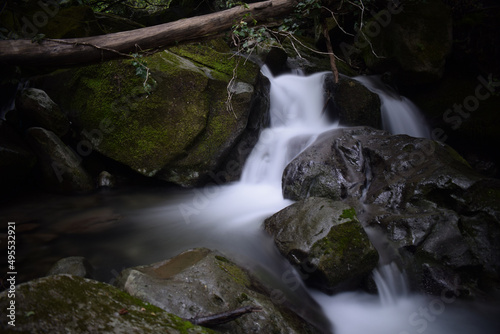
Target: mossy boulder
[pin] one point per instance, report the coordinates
(65, 303)
(352, 104)
(181, 129)
(201, 282)
(413, 43)
(326, 241)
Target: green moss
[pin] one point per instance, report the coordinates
(236, 273)
(345, 253)
(348, 214)
(84, 306)
(222, 61)
(148, 131)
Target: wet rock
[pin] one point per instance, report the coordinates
(325, 240)
(396, 171)
(65, 303)
(36, 108)
(60, 167)
(440, 215)
(276, 61)
(332, 167)
(201, 282)
(351, 103)
(74, 265)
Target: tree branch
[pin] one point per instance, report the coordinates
(80, 51)
(331, 55)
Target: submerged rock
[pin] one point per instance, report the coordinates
(325, 240)
(65, 303)
(200, 282)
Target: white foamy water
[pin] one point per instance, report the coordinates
(399, 114)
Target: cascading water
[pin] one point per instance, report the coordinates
(229, 218)
(399, 114)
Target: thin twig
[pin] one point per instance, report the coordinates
(337, 22)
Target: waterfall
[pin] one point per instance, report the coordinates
(399, 114)
(296, 119)
(229, 218)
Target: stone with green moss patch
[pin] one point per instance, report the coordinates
(201, 282)
(325, 235)
(65, 303)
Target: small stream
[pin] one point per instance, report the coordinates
(116, 229)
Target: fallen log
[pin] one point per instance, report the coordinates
(81, 51)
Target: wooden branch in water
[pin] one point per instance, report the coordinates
(222, 318)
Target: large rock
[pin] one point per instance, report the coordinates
(352, 104)
(36, 108)
(442, 217)
(333, 167)
(60, 167)
(200, 282)
(394, 171)
(452, 246)
(325, 240)
(72, 304)
(413, 43)
(179, 131)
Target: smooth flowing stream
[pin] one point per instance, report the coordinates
(229, 218)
